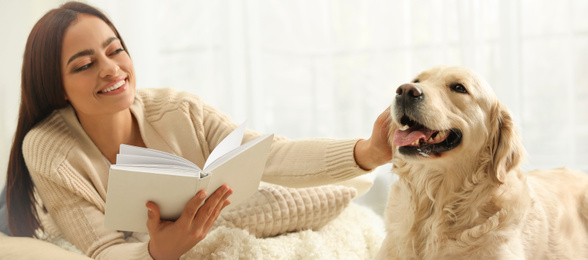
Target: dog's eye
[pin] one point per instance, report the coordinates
(416, 81)
(459, 88)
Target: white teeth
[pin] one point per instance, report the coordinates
(442, 135)
(404, 128)
(115, 86)
(416, 143)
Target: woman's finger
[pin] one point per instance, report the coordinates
(210, 206)
(205, 222)
(217, 211)
(192, 207)
(153, 215)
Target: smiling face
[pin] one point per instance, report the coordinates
(98, 74)
(444, 111)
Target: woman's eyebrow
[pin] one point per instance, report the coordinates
(90, 52)
(79, 54)
(108, 41)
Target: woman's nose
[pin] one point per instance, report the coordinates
(109, 68)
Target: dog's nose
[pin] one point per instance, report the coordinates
(409, 90)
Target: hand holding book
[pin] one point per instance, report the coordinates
(170, 239)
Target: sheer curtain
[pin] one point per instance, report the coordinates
(310, 68)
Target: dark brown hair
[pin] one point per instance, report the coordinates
(42, 92)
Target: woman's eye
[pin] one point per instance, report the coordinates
(459, 88)
(85, 67)
(117, 51)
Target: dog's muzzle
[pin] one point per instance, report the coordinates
(413, 137)
(408, 96)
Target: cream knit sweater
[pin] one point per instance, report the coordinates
(71, 174)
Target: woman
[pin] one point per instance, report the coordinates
(79, 103)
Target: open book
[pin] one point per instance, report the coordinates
(141, 175)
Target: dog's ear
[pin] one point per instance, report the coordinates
(506, 148)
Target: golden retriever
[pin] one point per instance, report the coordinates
(461, 193)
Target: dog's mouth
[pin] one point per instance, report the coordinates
(414, 138)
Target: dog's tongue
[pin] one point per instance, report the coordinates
(408, 136)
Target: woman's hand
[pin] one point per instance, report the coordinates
(171, 239)
(376, 150)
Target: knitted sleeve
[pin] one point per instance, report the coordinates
(294, 163)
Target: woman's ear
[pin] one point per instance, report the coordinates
(506, 148)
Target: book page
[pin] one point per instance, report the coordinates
(158, 169)
(227, 156)
(231, 142)
(242, 170)
(131, 159)
(135, 150)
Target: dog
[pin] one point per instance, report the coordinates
(461, 193)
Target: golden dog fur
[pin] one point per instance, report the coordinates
(473, 201)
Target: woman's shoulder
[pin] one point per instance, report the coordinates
(165, 96)
(156, 101)
(49, 142)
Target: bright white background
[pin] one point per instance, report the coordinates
(327, 68)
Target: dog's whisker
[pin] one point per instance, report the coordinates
(456, 133)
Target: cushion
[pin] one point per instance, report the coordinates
(276, 209)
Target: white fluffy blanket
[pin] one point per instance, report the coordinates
(356, 233)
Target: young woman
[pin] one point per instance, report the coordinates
(79, 103)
